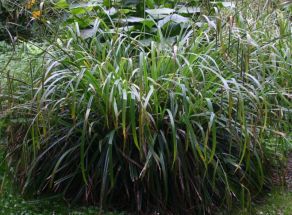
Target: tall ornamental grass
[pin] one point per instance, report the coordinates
(182, 128)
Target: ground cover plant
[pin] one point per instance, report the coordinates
(178, 114)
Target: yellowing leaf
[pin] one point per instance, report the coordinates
(29, 4)
(36, 14)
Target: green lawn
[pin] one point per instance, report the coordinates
(277, 202)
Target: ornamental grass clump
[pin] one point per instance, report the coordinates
(179, 127)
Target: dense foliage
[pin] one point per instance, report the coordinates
(166, 111)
